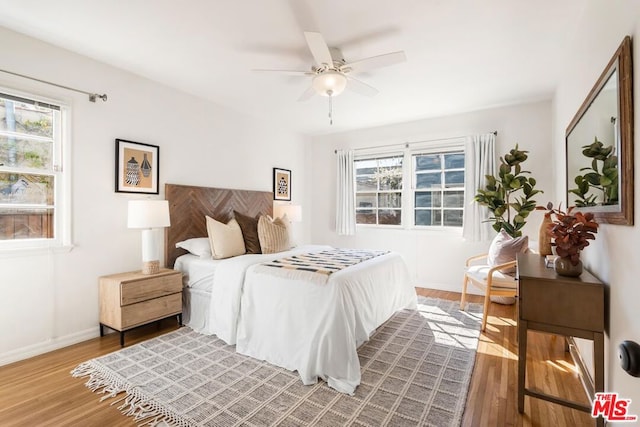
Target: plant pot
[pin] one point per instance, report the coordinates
(564, 267)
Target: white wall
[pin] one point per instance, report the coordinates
(51, 300)
(435, 259)
(613, 257)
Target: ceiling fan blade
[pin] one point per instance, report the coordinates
(319, 48)
(307, 94)
(287, 72)
(361, 87)
(376, 62)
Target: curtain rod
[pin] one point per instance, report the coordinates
(407, 144)
(92, 96)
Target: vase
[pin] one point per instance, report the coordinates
(564, 267)
(145, 167)
(544, 240)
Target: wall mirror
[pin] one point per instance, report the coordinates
(599, 145)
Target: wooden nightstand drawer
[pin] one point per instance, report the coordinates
(148, 311)
(128, 300)
(134, 291)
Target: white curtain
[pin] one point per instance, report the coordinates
(480, 160)
(345, 202)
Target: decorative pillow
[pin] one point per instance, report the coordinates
(225, 239)
(504, 248)
(199, 246)
(249, 227)
(273, 234)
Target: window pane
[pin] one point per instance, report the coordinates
(390, 200)
(24, 153)
(453, 218)
(431, 162)
(423, 217)
(390, 179)
(366, 167)
(365, 218)
(390, 163)
(26, 224)
(388, 216)
(19, 117)
(454, 179)
(25, 188)
(390, 173)
(366, 200)
(366, 183)
(453, 199)
(437, 217)
(428, 180)
(428, 199)
(454, 161)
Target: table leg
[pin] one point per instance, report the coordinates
(101, 330)
(522, 362)
(121, 338)
(598, 362)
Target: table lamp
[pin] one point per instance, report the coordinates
(147, 215)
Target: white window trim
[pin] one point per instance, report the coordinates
(62, 192)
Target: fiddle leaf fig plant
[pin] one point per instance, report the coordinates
(602, 177)
(509, 196)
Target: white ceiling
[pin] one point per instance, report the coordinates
(462, 55)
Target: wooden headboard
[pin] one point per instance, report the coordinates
(188, 206)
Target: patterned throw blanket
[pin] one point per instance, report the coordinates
(317, 266)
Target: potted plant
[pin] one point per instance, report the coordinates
(509, 195)
(571, 233)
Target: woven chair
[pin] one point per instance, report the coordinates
(489, 279)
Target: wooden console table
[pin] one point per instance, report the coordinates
(569, 306)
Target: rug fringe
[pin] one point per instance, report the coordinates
(133, 403)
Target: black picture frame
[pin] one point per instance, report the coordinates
(137, 167)
(281, 184)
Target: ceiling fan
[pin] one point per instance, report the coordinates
(331, 74)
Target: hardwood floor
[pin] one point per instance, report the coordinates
(492, 398)
(41, 392)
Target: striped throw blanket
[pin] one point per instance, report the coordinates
(317, 266)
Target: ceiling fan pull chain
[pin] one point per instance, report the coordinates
(330, 92)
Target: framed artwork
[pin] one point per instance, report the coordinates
(137, 167)
(281, 184)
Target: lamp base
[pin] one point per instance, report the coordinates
(151, 267)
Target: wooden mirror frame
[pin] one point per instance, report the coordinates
(621, 61)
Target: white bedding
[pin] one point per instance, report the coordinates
(314, 329)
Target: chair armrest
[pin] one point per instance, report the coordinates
(475, 258)
(498, 268)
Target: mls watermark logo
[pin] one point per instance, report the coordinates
(612, 408)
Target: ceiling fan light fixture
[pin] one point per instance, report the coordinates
(329, 83)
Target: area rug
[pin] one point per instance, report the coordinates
(416, 370)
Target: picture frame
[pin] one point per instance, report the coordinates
(137, 167)
(281, 184)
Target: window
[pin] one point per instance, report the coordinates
(435, 197)
(379, 190)
(438, 189)
(32, 184)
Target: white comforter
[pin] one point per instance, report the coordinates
(314, 329)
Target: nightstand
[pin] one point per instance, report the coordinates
(129, 300)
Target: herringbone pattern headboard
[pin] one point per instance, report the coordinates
(188, 206)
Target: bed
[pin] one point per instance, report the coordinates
(312, 327)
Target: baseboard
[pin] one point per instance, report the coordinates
(47, 346)
(583, 372)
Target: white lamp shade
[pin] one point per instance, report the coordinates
(329, 83)
(148, 214)
(294, 212)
